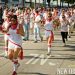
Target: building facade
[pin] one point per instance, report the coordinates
(10, 2)
(28, 3)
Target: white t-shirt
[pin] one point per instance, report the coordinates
(48, 25)
(37, 21)
(64, 26)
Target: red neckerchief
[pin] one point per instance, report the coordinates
(26, 13)
(14, 26)
(49, 19)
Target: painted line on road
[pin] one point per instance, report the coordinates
(52, 64)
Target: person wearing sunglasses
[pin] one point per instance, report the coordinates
(64, 29)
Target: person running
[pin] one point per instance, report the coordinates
(14, 43)
(64, 29)
(49, 32)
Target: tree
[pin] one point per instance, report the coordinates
(6, 1)
(60, 2)
(69, 2)
(23, 2)
(66, 1)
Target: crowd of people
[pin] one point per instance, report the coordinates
(19, 22)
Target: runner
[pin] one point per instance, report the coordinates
(14, 43)
(48, 32)
(64, 29)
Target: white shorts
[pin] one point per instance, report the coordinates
(13, 40)
(13, 46)
(47, 34)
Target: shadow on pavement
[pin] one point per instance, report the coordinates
(30, 73)
(51, 57)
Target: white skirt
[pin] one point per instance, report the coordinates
(14, 41)
(47, 33)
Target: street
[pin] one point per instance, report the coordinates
(37, 62)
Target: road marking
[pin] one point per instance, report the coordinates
(52, 64)
(73, 65)
(32, 59)
(39, 58)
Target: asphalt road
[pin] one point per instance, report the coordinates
(37, 62)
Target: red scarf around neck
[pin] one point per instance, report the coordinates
(14, 26)
(49, 19)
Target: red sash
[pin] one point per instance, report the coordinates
(0, 27)
(52, 35)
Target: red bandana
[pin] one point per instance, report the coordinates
(14, 26)
(49, 19)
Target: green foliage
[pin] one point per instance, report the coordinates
(32, 5)
(69, 1)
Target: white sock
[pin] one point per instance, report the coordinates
(49, 49)
(14, 67)
(15, 62)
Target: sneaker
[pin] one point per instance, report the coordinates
(49, 53)
(69, 36)
(14, 73)
(24, 39)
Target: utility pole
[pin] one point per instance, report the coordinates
(23, 2)
(35, 4)
(48, 1)
(62, 3)
(57, 3)
(30, 3)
